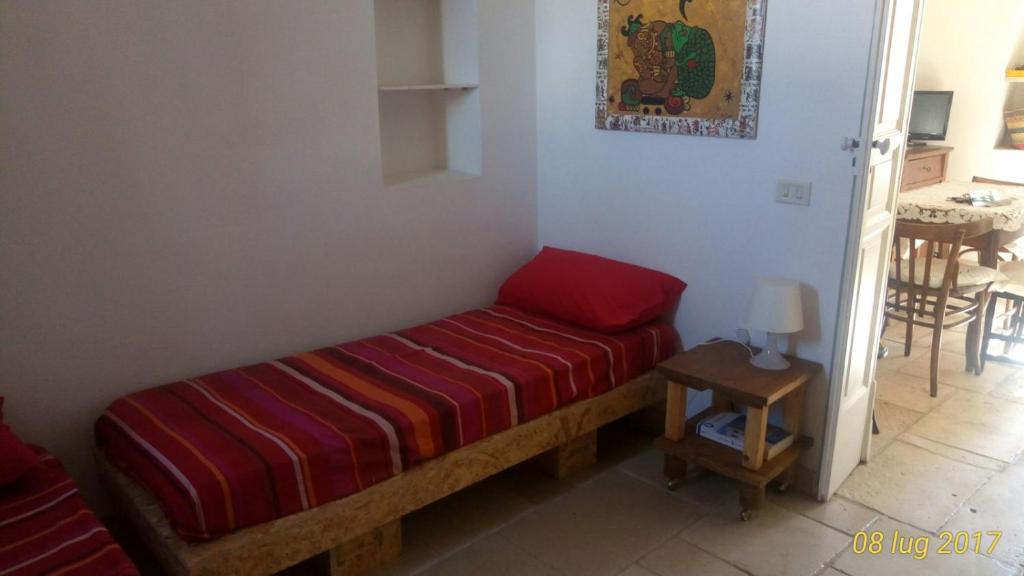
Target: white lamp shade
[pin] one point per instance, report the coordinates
(776, 307)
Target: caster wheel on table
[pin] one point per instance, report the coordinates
(746, 515)
(675, 484)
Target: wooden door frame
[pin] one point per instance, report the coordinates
(859, 196)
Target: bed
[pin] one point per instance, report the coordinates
(46, 528)
(249, 471)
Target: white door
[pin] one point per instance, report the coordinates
(876, 186)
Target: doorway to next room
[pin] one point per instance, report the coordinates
(947, 395)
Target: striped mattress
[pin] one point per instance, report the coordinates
(46, 528)
(242, 447)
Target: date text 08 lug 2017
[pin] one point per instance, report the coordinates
(876, 542)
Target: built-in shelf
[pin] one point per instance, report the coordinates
(426, 176)
(427, 87)
(1013, 108)
(428, 78)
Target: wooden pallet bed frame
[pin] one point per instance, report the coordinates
(362, 530)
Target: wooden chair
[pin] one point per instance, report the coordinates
(1012, 292)
(1011, 288)
(980, 180)
(928, 290)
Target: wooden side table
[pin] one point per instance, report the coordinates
(724, 368)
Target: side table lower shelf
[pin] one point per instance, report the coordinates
(728, 461)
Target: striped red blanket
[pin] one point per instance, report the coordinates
(246, 446)
(46, 528)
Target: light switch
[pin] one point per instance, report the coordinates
(793, 192)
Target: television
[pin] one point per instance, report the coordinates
(929, 115)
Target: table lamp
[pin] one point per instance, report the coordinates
(775, 309)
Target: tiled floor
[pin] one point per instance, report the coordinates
(946, 464)
(949, 463)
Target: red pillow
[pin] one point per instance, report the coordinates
(591, 291)
(15, 457)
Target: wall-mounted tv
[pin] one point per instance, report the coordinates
(929, 115)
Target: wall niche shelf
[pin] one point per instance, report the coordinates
(428, 87)
(425, 177)
(1014, 104)
(428, 84)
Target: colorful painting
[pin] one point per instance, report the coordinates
(680, 66)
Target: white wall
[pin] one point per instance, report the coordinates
(190, 185)
(967, 48)
(703, 208)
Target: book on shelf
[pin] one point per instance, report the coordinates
(728, 428)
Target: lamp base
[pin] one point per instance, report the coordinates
(770, 358)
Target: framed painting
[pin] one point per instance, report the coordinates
(680, 66)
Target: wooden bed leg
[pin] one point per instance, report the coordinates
(575, 455)
(362, 554)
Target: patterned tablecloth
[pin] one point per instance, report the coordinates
(933, 204)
